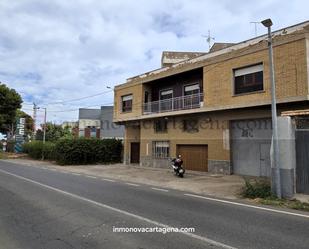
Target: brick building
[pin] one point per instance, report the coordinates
(214, 108)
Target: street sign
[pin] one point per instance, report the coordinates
(20, 135)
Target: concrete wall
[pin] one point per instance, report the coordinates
(287, 155)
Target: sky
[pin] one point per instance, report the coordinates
(54, 51)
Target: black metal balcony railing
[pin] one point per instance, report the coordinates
(174, 104)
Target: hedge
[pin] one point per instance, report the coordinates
(38, 150)
(76, 151)
(88, 151)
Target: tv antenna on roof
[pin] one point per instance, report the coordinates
(255, 27)
(209, 38)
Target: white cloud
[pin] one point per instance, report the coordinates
(58, 50)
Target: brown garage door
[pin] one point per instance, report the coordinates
(195, 157)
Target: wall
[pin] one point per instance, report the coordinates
(287, 156)
(290, 75)
(176, 83)
(108, 128)
(137, 93)
(213, 131)
(83, 123)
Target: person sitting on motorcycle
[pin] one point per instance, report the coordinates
(178, 161)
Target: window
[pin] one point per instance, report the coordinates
(160, 125)
(192, 89)
(146, 97)
(190, 125)
(249, 79)
(166, 100)
(166, 94)
(160, 149)
(192, 97)
(127, 103)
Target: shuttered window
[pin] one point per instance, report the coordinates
(249, 79)
(127, 103)
(192, 89)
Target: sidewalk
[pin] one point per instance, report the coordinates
(224, 186)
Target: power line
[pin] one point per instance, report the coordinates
(71, 110)
(81, 98)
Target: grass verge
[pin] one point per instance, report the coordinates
(3, 155)
(260, 191)
(292, 204)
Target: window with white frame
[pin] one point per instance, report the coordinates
(160, 149)
(127, 103)
(248, 79)
(192, 89)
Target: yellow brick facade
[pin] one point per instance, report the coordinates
(290, 75)
(220, 104)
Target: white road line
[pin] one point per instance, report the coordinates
(132, 184)
(109, 180)
(204, 239)
(77, 174)
(248, 205)
(160, 189)
(52, 169)
(93, 177)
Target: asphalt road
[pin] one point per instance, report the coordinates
(47, 209)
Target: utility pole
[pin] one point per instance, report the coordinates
(34, 120)
(255, 27)
(277, 181)
(44, 128)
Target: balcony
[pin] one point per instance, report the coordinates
(174, 104)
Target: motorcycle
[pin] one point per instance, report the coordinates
(177, 166)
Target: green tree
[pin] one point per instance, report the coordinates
(53, 132)
(10, 101)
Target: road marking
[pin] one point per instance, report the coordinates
(204, 239)
(77, 174)
(160, 189)
(52, 169)
(132, 184)
(109, 180)
(248, 205)
(93, 177)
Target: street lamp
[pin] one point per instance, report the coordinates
(268, 23)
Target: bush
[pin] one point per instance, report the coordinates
(76, 151)
(38, 150)
(88, 151)
(256, 189)
(10, 147)
(49, 151)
